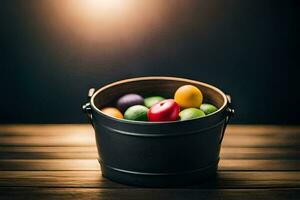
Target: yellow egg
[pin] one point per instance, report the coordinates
(113, 112)
(188, 96)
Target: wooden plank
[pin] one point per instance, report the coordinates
(90, 152)
(263, 165)
(264, 130)
(93, 179)
(21, 152)
(45, 129)
(45, 140)
(58, 129)
(76, 149)
(260, 153)
(261, 141)
(89, 140)
(49, 164)
(92, 164)
(131, 193)
(83, 135)
(48, 155)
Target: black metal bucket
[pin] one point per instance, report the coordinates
(158, 154)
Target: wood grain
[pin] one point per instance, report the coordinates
(65, 129)
(145, 194)
(93, 179)
(60, 162)
(90, 152)
(84, 136)
(92, 164)
(88, 140)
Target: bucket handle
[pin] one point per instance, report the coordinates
(87, 106)
(229, 114)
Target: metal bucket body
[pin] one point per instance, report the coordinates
(158, 154)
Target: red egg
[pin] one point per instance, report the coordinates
(166, 110)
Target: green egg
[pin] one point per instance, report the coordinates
(150, 101)
(137, 113)
(191, 113)
(208, 108)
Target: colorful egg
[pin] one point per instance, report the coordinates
(208, 108)
(129, 100)
(137, 113)
(113, 112)
(191, 113)
(188, 96)
(150, 101)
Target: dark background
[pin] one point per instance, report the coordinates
(50, 57)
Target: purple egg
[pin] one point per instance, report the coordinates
(129, 100)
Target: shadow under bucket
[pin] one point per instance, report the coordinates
(158, 154)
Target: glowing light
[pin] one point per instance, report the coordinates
(100, 8)
(103, 4)
(111, 24)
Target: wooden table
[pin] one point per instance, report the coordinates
(60, 161)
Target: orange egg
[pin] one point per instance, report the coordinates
(113, 112)
(188, 96)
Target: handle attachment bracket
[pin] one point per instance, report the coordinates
(229, 113)
(86, 108)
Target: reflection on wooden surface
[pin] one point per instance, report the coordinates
(60, 161)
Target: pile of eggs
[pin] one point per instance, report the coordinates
(187, 104)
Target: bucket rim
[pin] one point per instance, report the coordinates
(145, 78)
